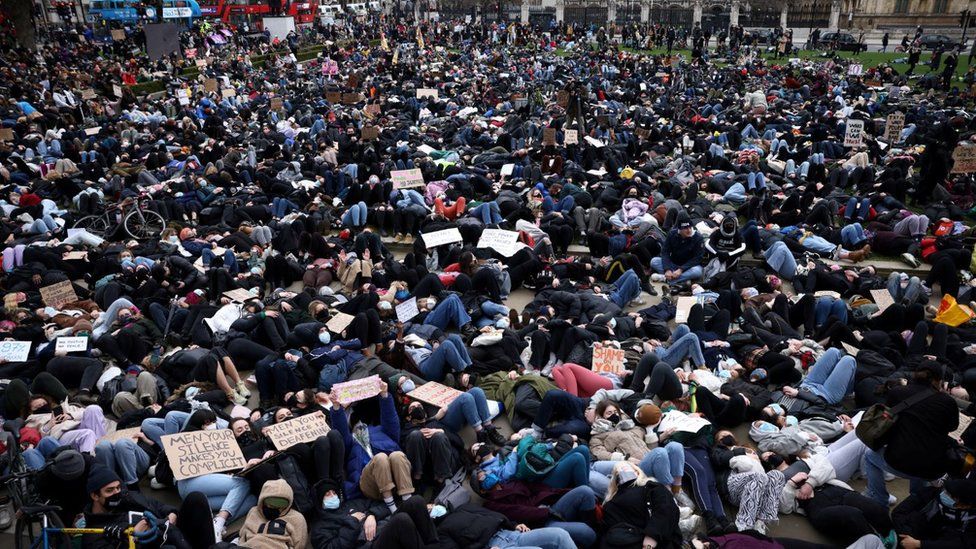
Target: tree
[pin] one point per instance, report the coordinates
(21, 16)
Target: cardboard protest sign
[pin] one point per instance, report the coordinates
(684, 306)
(502, 241)
(439, 238)
(228, 92)
(893, 127)
(370, 133)
(277, 104)
(851, 350)
(88, 93)
(356, 390)
(562, 98)
(427, 92)
(571, 137)
(333, 97)
(58, 294)
(93, 131)
(69, 256)
(210, 84)
(353, 81)
(855, 133)
(407, 310)
(964, 159)
(118, 34)
(195, 453)
(856, 69)
(549, 136)
(339, 322)
(301, 429)
(435, 393)
(406, 179)
(239, 295)
(6, 134)
(14, 351)
(71, 344)
(117, 90)
(607, 359)
(827, 293)
(882, 298)
(373, 109)
(201, 63)
(352, 98)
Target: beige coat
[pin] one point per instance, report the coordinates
(288, 531)
(605, 440)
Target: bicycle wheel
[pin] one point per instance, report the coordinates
(95, 224)
(27, 533)
(143, 224)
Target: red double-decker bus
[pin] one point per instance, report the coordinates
(237, 13)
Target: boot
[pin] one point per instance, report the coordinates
(494, 436)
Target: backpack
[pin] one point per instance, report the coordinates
(454, 494)
(534, 459)
(879, 419)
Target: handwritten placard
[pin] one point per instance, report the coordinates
(14, 351)
(607, 359)
(407, 310)
(856, 69)
(427, 92)
(71, 344)
(502, 241)
(117, 90)
(894, 124)
(211, 85)
(435, 393)
(683, 307)
(276, 104)
(6, 134)
(118, 34)
(228, 92)
(121, 434)
(239, 295)
(964, 159)
(439, 238)
(882, 298)
(333, 97)
(406, 179)
(352, 98)
(69, 256)
(373, 109)
(370, 133)
(88, 93)
(339, 322)
(571, 137)
(549, 136)
(301, 429)
(356, 390)
(195, 453)
(58, 294)
(854, 136)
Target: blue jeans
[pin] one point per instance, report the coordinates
(781, 259)
(818, 244)
(230, 260)
(125, 457)
(451, 353)
(408, 197)
(665, 463)
(565, 204)
(907, 295)
(600, 472)
(569, 506)
(448, 311)
(490, 310)
(541, 538)
(355, 216)
(693, 273)
(853, 211)
(470, 408)
(827, 307)
(224, 492)
(280, 207)
(875, 467)
(684, 345)
(487, 212)
(155, 428)
(572, 470)
(832, 376)
(756, 180)
(35, 457)
(628, 289)
(852, 236)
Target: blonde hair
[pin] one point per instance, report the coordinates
(642, 479)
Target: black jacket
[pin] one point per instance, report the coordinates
(469, 526)
(651, 508)
(921, 517)
(131, 501)
(919, 439)
(338, 529)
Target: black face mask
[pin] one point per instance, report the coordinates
(270, 513)
(292, 401)
(246, 439)
(774, 460)
(483, 451)
(418, 414)
(614, 418)
(46, 409)
(728, 441)
(114, 500)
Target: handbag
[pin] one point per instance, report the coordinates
(453, 494)
(879, 419)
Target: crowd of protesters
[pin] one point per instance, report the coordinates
(236, 245)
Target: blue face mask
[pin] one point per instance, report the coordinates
(408, 386)
(325, 338)
(791, 421)
(766, 427)
(946, 500)
(437, 511)
(490, 481)
(778, 409)
(402, 295)
(330, 502)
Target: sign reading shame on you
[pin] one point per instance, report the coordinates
(195, 453)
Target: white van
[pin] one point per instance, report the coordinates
(356, 9)
(329, 11)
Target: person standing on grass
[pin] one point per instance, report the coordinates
(949, 69)
(884, 43)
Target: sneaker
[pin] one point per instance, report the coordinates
(657, 277)
(691, 526)
(156, 485)
(682, 499)
(152, 471)
(242, 389)
(237, 399)
(637, 301)
(494, 436)
(219, 531)
(911, 260)
(6, 516)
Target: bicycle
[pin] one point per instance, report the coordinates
(132, 213)
(43, 542)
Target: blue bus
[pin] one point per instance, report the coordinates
(131, 11)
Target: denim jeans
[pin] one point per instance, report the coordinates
(665, 463)
(564, 205)
(756, 180)
(781, 259)
(490, 310)
(907, 295)
(450, 310)
(230, 260)
(693, 273)
(852, 236)
(125, 457)
(875, 467)
(225, 492)
(35, 457)
(567, 409)
(855, 211)
(355, 216)
(569, 507)
(572, 470)
(827, 307)
(600, 472)
(280, 207)
(628, 289)
(470, 408)
(451, 353)
(542, 538)
(684, 344)
(487, 212)
(832, 376)
(818, 244)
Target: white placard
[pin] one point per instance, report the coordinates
(854, 137)
(502, 241)
(71, 344)
(570, 137)
(856, 69)
(14, 351)
(894, 124)
(223, 318)
(439, 238)
(427, 92)
(508, 170)
(407, 310)
(595, 142)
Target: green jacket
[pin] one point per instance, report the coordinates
(497, 386)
